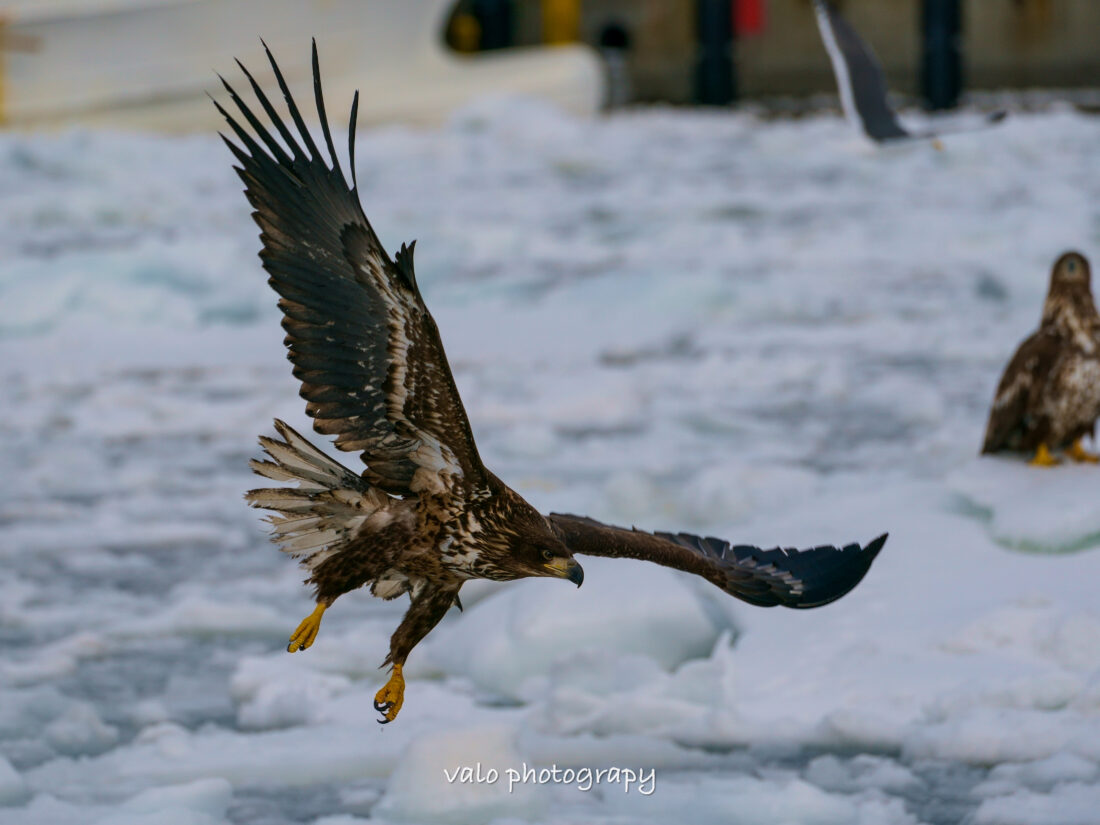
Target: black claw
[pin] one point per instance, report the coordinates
(384, 721)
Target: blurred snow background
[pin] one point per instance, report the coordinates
(759, 330)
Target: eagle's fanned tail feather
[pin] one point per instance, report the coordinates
(295, 459)
(324, 510)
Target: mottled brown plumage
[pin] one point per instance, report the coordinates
(1049, 395)
(425, 515)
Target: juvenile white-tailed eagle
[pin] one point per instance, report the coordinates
(1049, 395)
(425, 515)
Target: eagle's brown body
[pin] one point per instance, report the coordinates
(1049, 395)
(425, 515)
(419, 541)
(427, 549)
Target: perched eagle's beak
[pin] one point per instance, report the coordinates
(567, 569)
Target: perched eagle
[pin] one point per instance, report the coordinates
(1049, 395)
(425, 515)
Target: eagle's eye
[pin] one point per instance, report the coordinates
(1071, 266)
(548, 555)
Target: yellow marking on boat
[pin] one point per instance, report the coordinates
(561, 21)
(466, 33)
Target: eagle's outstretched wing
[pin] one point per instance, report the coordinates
(1024, 378)
(792, 578)
(362, 342)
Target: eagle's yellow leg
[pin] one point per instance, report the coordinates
(1079, 453)
(307, 631)
(1043, 458)
(389, 699)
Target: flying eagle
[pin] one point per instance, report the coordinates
(425, 515)
(861, 82)
(1049, 395)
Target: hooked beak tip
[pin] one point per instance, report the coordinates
(565, 568)
(575, 574)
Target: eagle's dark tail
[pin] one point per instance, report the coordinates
(327, 507)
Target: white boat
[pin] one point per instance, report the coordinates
(148, 63)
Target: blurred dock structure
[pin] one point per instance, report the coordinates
(149, 63)
(1004, 44)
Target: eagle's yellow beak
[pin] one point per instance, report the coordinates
(566, 569)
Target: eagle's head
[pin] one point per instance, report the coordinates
(1069, 305)
(1071, 273)
(535, 550)
(540, 557)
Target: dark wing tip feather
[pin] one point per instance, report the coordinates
(276, 151)
(292, 107)
(296, 155)
(404, 261)
(320, 101)
(265, 102)
(827, 573)
(875, 545)
(785, 576)
(351, 137)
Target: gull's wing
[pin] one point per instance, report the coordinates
(862, 84)
(362, 342)
(859, 76)
(788, 577)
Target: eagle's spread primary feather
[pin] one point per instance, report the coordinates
(1049, 395)
(425, 515)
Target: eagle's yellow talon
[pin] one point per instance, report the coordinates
(303, 637)
(1043, 458)
(1079, 453)
(389, 699)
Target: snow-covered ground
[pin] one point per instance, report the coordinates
(761, 330)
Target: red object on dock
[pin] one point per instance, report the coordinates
(749, 17)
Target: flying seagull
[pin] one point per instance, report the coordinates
(425, 515)
(861, 83)
(1049, 395)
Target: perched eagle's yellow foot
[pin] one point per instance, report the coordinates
(389, 699)
(1079, 453)
(307, 631)
(1043, 458)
